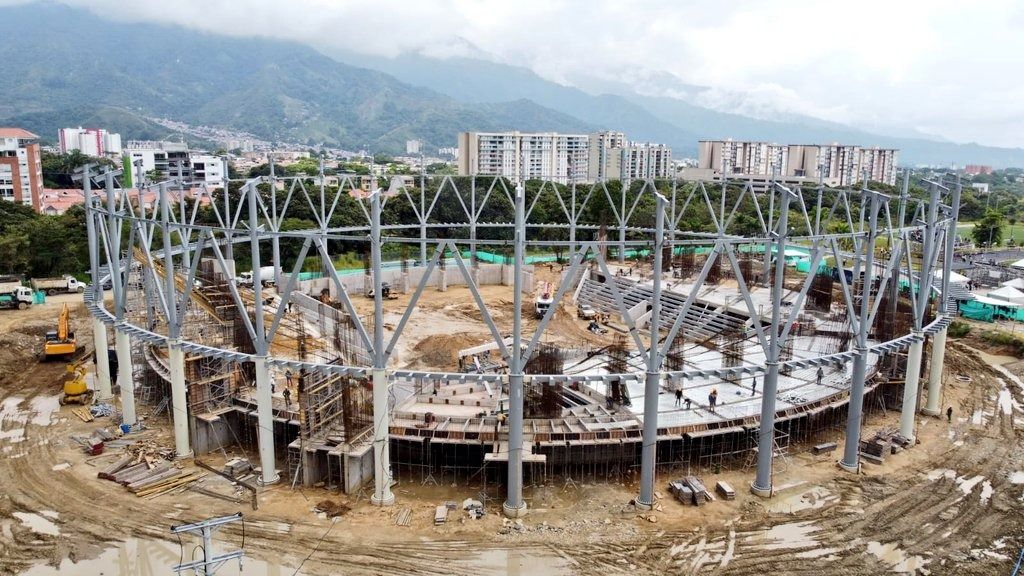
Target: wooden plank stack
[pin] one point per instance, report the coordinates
(146, 476)
(690, 490)
(404, 517)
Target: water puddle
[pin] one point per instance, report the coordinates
(816, 497)
(895, 559)
(986, 492)
(967, 484)
(784, 536)
(941, 473)
(42, 408)
(38, 524)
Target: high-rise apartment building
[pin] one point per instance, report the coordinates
(21, 167)
(759, 162)
(174, 160)
(563, 158)
(89, 141)
(519, 156)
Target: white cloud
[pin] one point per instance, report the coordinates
(949, 67)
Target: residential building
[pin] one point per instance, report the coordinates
(981, 187)
(563, 158)
(175, 160)
(56, 201)
(977, 169)
(761, 162)
(89, 141)
(21, 167)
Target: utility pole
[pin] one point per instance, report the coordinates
(211, 561)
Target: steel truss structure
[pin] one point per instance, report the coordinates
(842, 226)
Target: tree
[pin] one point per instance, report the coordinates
(989, 230)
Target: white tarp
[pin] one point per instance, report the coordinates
(1017, 283)
(1007, 294)
(994, 302)
(1018, 264)
(953, 277)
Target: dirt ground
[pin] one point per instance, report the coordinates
(950, 505)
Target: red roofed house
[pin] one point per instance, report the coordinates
(21, 167)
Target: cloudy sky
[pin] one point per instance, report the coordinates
(948, 68)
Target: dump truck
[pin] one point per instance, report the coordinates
(18, 296)
(61, 343)
(66, 284)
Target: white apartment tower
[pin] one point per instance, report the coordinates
(759, 162)
(522, 156)
(89, 141)
(21, 167)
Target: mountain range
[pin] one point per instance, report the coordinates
(76, 68)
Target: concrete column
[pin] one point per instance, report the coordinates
(99, 338)
(124, 375)
(938, 362)
(179, 398)
(265, 421)
(851, 448)
(652, 380)
(382, 495)
(910, 388)
(514, 505)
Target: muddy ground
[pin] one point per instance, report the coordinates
(950, 505)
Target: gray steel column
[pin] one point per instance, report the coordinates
(229, 246)
(938, 359)
(122, 342)
(762, 485)
(652, 383)
(472, 221)
(99, 329)
(175, 355)
(423, 218)
(382, 495)
(264, 395)
(514, 506)
(851, 460)
(924, 283)
(275, 242)
(622, 223)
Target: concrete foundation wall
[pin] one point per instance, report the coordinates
(358, 470)
(357, 284)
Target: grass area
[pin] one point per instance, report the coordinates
(1016, 231)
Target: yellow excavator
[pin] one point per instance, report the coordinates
(61, 342)
(76, 389)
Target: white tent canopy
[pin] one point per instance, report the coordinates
(1017, 283)
(1018, 264)
(994, 302)
(1007, 294)
(953, 277)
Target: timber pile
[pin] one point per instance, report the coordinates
(144, 469)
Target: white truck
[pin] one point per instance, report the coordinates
(266, 277)
(66, 284)
(14, 295)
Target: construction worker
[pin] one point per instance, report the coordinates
(821, 373)
(712, 399)
(753, 387)
(949, 414)
(679, 396)
(288, 378)
(287, 397)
